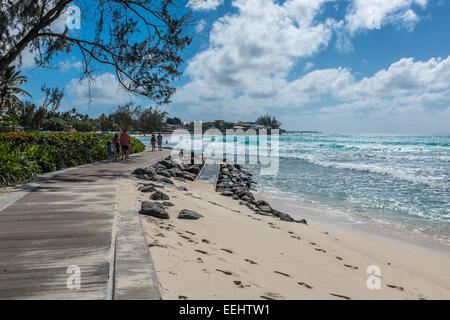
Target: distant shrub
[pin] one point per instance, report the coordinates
(54, 124)
(25, 155)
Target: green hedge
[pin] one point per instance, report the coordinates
(25, 155)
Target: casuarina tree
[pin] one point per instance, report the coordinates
(140, 41)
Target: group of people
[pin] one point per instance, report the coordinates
(154, 140)
(116, 145)
(124, 144)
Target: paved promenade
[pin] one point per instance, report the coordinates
(73, 218)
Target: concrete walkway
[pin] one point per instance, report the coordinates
(210, 171)
(70, 219)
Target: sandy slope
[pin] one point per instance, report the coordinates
(232, 253)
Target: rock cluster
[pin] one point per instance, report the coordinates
(167, 169)
(236, 182)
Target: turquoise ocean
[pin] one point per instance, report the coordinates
(396, 183)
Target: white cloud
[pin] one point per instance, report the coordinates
(65, 66)
(308, 66)
(26, 59)
(200, 26)
(373, 14)
(251, 52)
(104, 89)
(246, 70)
(204, 4)
(402, 78)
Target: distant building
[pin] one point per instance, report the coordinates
(173, 127)
(249, 125)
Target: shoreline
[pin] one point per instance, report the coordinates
(365, 226)
(233, 253)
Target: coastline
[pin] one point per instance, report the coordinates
(232, 253)
(364, 225)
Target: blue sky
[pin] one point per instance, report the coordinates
(367, 66)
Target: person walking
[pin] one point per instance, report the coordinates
(116, 144)
(160, 140)
(125, 141)
(153, 142)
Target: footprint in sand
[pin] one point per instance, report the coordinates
(312, 243)
(267, 297)
(350, 266)
(340, 296)
(251, 261)
(205, 240)
(226, 250)
(182, 297)
(339, 258)
(283, 274)
(190, 232)
(305, 285)
(395, 287)
(156, 244)
(201, 251)
(199, 260)
(321, 250)
(228, 273)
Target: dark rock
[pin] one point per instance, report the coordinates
(227, 193)
(195, 169)
(167, 204)
(189, 214)
(265, 208)
(177, 173)
(153, 209)
(224, 184)
(188, 177)
(182, 188)
(285, 217)
(235, 197)
(159, 166)
(301, 221)
(147, 189)
(158, 195)
(142, 171)
(152, 185)
(262, 203)
(180, 179)
(167, 163)
(164, 173)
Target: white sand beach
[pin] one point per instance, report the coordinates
(232, 253)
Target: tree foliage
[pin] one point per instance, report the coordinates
(268, 121)
(141, 41)
(10, 81)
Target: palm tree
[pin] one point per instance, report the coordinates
(9, 88)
